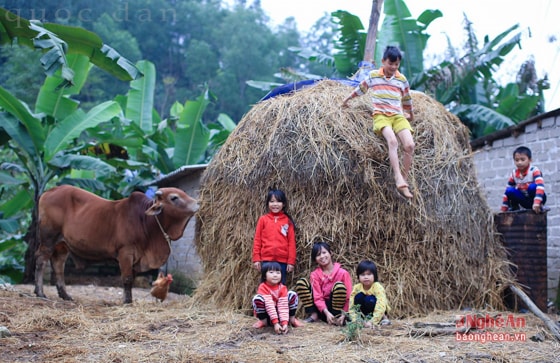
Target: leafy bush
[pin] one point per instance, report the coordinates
(12, 262)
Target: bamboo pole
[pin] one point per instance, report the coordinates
(554, 328)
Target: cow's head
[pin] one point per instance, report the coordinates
(175, 202)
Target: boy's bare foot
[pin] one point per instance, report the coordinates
(296, 323)
(259, 324)
(404, 191)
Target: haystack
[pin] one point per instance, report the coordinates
(438, 252)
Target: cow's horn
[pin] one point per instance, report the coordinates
(159, 193)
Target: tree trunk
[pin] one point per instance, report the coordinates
(32, 240)
(369, 53)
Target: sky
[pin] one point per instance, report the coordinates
(538, 23)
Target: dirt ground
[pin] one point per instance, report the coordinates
(96, 327)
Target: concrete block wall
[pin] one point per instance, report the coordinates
(494, 163)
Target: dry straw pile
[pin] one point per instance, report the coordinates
(438, 252)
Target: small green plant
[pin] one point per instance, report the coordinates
(353, 328)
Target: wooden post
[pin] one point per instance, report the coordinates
(369, 52)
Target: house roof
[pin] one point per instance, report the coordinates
(177, 174)
(514, 130)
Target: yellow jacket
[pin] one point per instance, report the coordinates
(381, 306)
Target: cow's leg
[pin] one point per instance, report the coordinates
(126, 261)
(58, 261)
(42, 255)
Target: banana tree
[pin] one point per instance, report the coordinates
(40, 139)
(182, 139)
(465, 85)
(162, 145)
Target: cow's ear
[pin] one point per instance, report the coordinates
(155, 209)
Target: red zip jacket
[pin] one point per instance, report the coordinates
(275, 302)
(275, 239)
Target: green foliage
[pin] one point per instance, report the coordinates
(17, 76)
(57, 40)
(351, 43)
(353, 328)
(42, 140)
(219, 132)
(140, 101)
(192, 136)
(400, 28)
(193, 45)
(11, 260)
(466, 87)
(72, 126)
(464, 84)
(6, 178)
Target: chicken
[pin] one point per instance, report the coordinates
(161, 286)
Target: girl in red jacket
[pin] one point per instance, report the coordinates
(274, 304)
(275, 239)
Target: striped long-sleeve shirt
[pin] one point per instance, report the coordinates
(521, 181)
(275, 302)
(390, 96)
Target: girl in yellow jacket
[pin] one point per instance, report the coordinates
(369, 294)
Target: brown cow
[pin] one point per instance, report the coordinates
(90, 228)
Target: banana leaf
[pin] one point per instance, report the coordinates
(17, 117)
(19, 202)
(140, 102)
(77, 40)
(66, 161)
(71, 127)
(19, 135)
(6, 178)
(191, 138)
(400, 28)
(54, 100)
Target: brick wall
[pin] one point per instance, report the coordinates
(494, 162)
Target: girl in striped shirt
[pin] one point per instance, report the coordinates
(274, 304)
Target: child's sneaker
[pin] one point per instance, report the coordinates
(385, 322)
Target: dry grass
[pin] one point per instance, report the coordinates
(439, 252)
(97, 328)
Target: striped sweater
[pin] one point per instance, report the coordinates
(521, 181)
(275, 302)
(390, 96)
